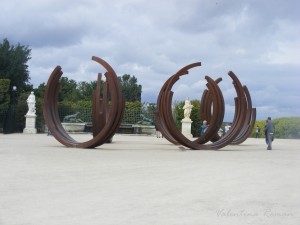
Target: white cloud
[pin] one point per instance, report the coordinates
(258, 40)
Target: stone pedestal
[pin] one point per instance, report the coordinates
(73, 127)
(30, 124)
(186, 125)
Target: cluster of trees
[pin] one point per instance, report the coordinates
(284, 127)
(4, 90)
(76, 97)
(14, 79)
(13, 65)
(73, 96)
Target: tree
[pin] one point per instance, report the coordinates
(40, 90)
(13, 64)
(68, 90)
(4, 96)
(4, 100)
(131, 90)
(86, 89)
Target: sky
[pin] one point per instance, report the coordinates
(151, 40)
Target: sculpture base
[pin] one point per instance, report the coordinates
(29, 131)
(143, 129)
(30, 124)
(186, 125)
(73, 127)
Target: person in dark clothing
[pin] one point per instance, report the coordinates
(257, 130)
(269, 131)
(203, 127)
(266, 136)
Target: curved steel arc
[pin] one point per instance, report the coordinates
(206, 114)
(249, 120)
(171, 125)
(161, 125)
(213, 97)
(115, 114)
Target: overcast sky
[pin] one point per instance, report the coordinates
(258, 40)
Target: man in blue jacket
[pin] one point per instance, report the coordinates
(269, 131)
(203, 127)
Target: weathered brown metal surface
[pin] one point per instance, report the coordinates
(206, 102)
(212, 97)
(249, 121)
(205, 112)
(105, 120)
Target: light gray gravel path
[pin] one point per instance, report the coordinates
(145, 180)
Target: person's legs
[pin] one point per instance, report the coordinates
(270, 137)
(158, 134)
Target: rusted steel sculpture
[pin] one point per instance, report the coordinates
(206, 102)
(242, 124)
(106, 120)
(249, 120)
(107, 117)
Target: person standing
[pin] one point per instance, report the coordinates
(269, 131)
(257, 130)
(220, 132)
(203, 127)
(266, 135)
(227, 127)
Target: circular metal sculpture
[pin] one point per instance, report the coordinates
(242, 124)
(106, 119)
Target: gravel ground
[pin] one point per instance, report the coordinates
(146, 180)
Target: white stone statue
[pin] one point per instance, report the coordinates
(30, 116)
(31, 104)
(187, 109)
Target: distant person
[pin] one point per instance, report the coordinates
(220, 132)
(269, 131)
(158, 133)
(265, 131)
(257, 130)
(227, 128)
(203, 127)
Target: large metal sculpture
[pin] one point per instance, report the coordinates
(108, 111)
(106, 117)
(212, 97)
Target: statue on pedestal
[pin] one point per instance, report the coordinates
(30, 116)
(186, 122)
(187, 109)
(31, 104)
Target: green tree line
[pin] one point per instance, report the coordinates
(72, 97)
(288, 127)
